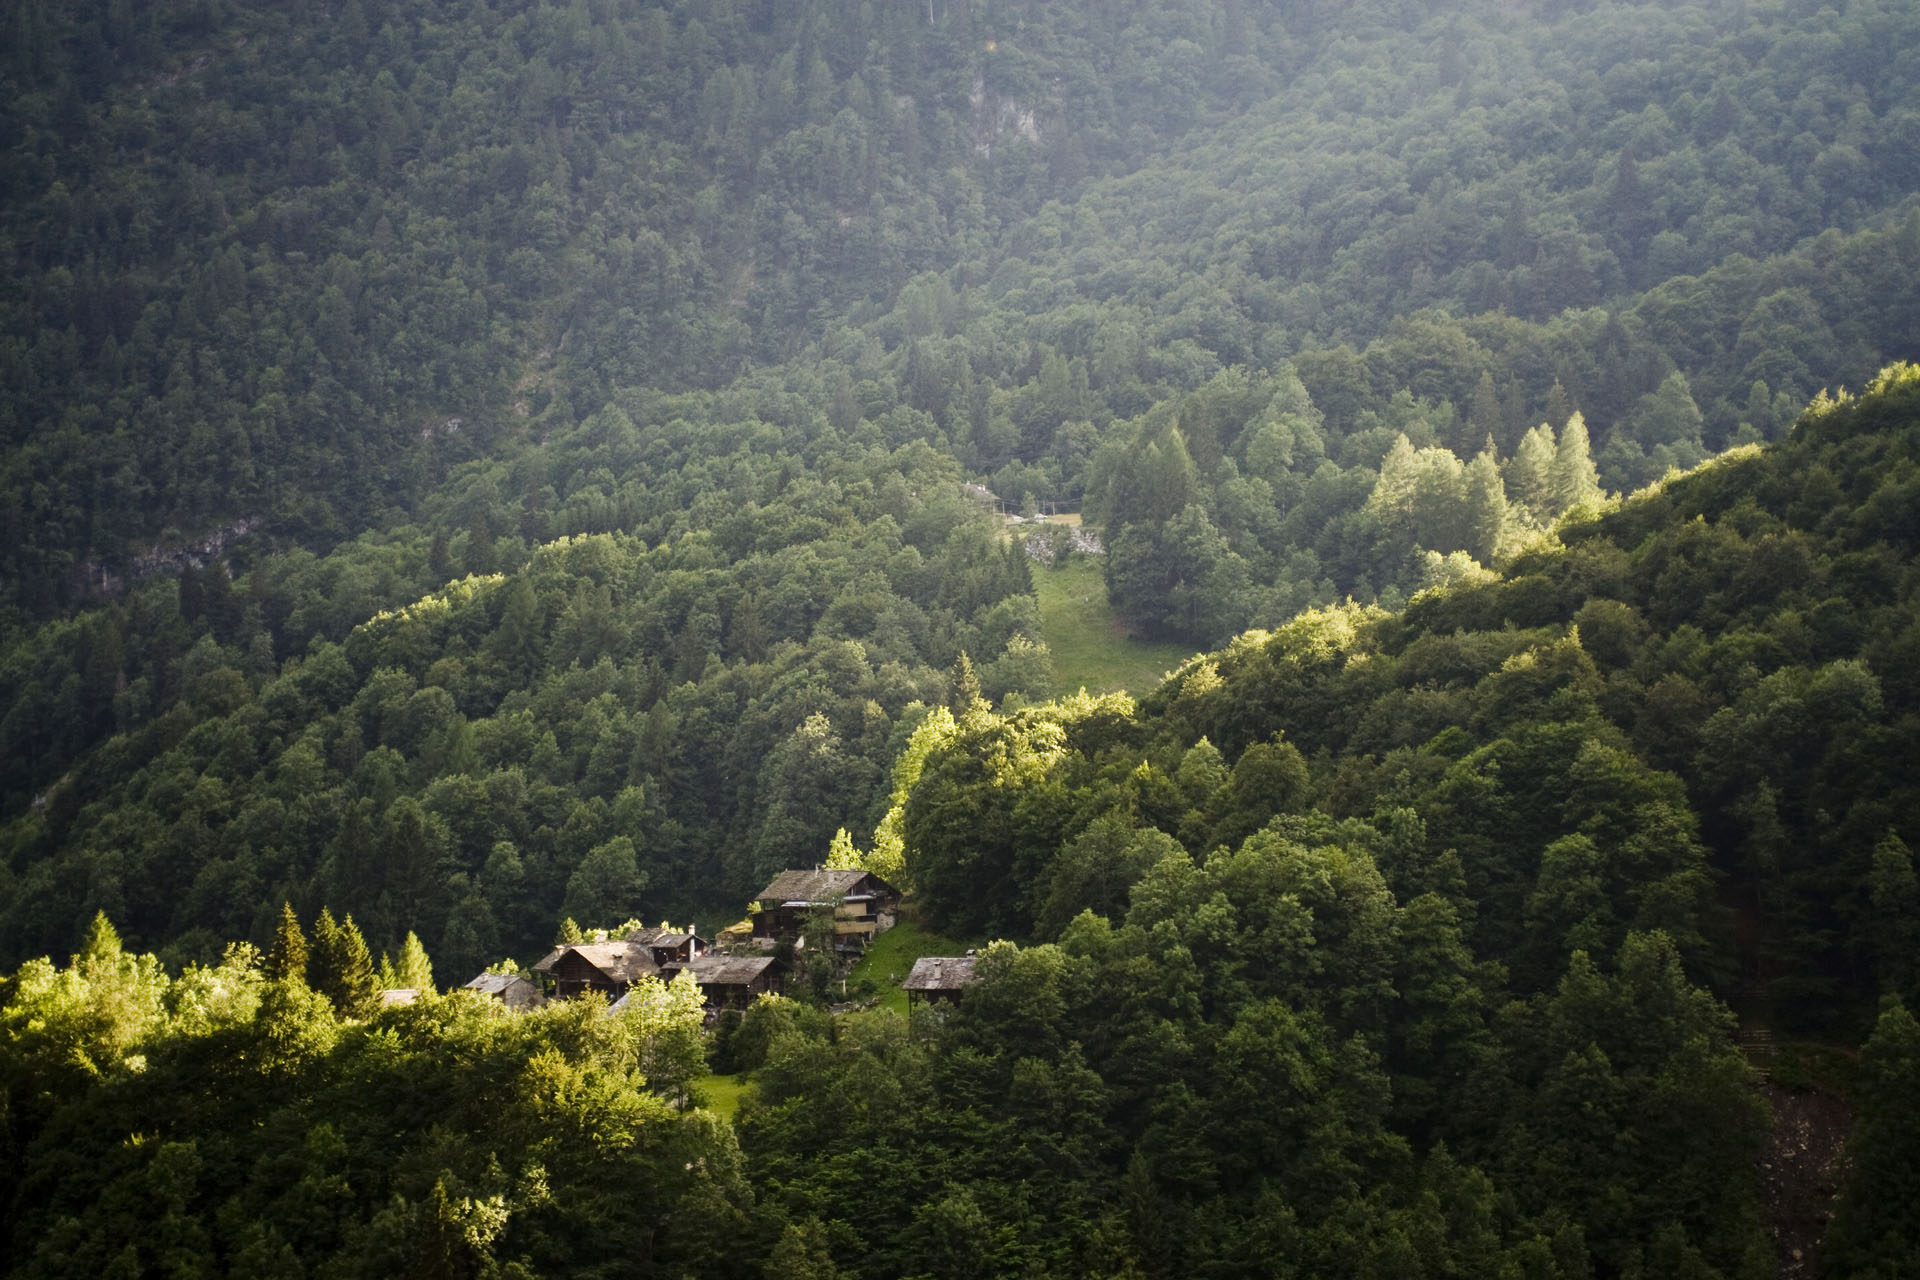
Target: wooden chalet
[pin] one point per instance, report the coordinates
(671, 948)
(609, 967)
(510, 989)
(862, 905)
(939, 978)
(732, 982)
(398, 997)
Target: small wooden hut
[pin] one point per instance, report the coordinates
(939, 977)
(510, 989)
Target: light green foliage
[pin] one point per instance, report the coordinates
(481, 1180)
(1529, 475)
(207, 998)
(88, 1019)
(1422, 495)
(413, 970)
(888, 857)
(664, 1020)
(1442, 572)
(841, 855)
(1573, 480)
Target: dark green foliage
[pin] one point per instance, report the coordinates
(1876, 1226)
(597, 711)
(595, 384)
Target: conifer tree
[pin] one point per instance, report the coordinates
(1529, 475)
(479, 554)
(963, 685)
(841, 854)
(287, 961)
(412, 972)
(1559, 406)
(1894, 919)
(1019, 568)
(341, 967)
(1486, 506)
(517, 640)
(324, 951)
(1574, 479)
(1393, 494)
(1484, 417)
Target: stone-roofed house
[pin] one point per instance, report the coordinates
(939, 977)
(610, 967)
(510, 989)
(862, 905)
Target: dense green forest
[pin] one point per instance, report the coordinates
(474, 465)
(1380, 942)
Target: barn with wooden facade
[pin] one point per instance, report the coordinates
(733, 982)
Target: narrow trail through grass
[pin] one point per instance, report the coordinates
(1091, 648)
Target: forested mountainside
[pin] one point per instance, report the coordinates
(249, 247)
(1387, 942)
(1378, 943)
(1287, 300)
(470, 466)
(616, 717)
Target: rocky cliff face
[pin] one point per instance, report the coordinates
(995, 117)
(99, 580)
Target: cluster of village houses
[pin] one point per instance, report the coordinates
(738, 967)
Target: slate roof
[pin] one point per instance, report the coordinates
(509, 988)
(819, 886)
(728, 971)
(660, 936)
(940, 973)
(619, 961)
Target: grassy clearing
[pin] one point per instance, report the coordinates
(722, 1095)
(1091, 648)
(891, 957)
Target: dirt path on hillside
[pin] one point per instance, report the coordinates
(1800, 1173)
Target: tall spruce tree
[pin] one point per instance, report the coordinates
(341, 967)
(1529, 475)
(287, 961)
(1574, 479)
(1486, 506)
